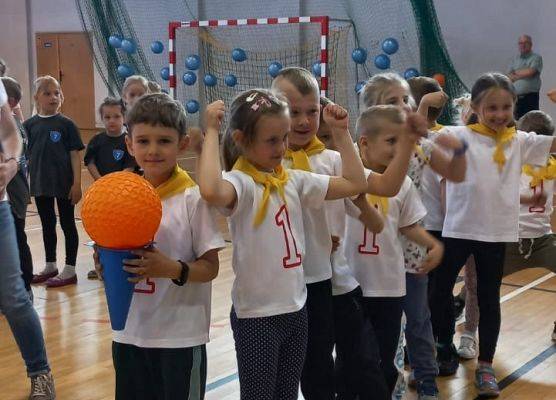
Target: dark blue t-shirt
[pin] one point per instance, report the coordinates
(108, 153)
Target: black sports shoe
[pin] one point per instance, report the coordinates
(447, 358)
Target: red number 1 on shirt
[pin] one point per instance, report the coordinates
(293, 258)
(369, 246)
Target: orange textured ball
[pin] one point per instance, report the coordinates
(440, 78)
(121, 210)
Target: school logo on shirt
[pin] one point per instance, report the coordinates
(118, 154)
(55, 136)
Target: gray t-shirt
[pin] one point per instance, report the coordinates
(532, 84)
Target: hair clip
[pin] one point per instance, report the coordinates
(262, 101)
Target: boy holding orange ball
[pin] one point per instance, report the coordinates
(162, 346)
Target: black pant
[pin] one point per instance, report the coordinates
(158, 373)
(358, 374)
(489, 259)
(270, 352)
(25, 258)
(525, 103)
(45, 207)
(385, 315)
(317, 379)
(433, 274)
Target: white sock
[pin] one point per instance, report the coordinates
(50, 267)
(68, 272)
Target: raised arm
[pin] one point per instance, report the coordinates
(352, 181)
(215, 190)
(370, 216)
(452, 168)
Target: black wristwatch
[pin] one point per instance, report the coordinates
(183, 274)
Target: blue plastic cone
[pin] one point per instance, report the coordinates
(119, 291)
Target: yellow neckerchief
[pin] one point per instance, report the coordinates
(540, 174)
(436, 127)
(379, 202)
(178, 182)
(300, 158)
(504, 136)
(276, 180)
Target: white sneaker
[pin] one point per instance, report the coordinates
(467, 346)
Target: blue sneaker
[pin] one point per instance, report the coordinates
(427, 390)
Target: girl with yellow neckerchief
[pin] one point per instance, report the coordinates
(264, 203)
(482, 214)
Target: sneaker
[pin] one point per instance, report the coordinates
(44, 276)
(42, 387)
(459, 305)
(448, 359)
(554, 332)
(467, 346)
(92, 274)
(486, 383)
(59, 282)
(427, 390)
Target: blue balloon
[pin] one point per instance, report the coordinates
(390, 45)
(239, 54)
(189, 78)
(115, 41)
(230, 80)
(382, 61)
(274, 68)
(359, 55)
(192, 106)
(359, 86)
(125, 70)
(157, 47)
(165, 73)
(410, 73)
(210, 80)
(128, 46)
(316, 68)
(193, 62)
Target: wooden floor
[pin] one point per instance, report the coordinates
(78, 337)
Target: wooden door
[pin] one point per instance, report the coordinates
(67, 57)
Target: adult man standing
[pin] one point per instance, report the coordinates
(525, 73)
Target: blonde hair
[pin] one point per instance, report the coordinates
(154, 87)
(130, 80)
(40, 84)
(372, 93)
(370, 120)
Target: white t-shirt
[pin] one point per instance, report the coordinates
(343, 280)
(163, 314)
(485, 207)
(431, 196)
(534, 222)
(267, 259)
(318, 244)
(377, 259)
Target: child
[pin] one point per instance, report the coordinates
(154, 87)
(18, 190)
(390, 88)
(55, 170)
(134, 87)
(479, 219)
(378, 258)
(107, 151)
(163, 345)
(264, 203)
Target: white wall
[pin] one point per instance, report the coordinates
(482, 36)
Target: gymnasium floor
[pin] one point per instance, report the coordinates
(78, 335)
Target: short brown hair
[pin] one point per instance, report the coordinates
(300, 78)
(111, 102)
(157, 109)
(536, 121)
(422, 85)
(13, 88)
(370, 120)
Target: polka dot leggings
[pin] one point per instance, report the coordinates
(270, 354)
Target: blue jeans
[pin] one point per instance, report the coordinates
(418, 330)
(14, 299)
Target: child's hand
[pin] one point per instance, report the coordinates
(360, 200)
(432, 259)
(214, 115)
(435, 99)
(335, 243)
(336, 117)
(75, 194)
(552, 95)
(416, 126)
(196, 139)
(152, 264)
